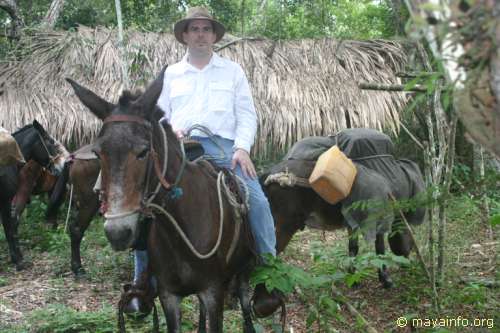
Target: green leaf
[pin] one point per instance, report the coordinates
(495, 220)
(401, 260)
(379, 263)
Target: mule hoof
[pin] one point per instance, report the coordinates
(136, 302)
(137, 309)
(265, 303)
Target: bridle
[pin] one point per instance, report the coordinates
(147, 204)
(51, 157)
(154, 162)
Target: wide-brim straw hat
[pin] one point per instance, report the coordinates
(198, 13)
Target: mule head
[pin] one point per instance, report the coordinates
(123, 147)
(289, 207)
(46, 150)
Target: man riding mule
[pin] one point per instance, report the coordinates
(191, 244)
(212, 92)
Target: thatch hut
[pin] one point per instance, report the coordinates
(301, 88)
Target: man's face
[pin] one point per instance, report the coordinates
(199, 36)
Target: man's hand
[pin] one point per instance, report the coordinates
(242, 158)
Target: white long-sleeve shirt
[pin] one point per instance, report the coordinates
(217, 97)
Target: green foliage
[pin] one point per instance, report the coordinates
(495, 220)
(58, 318)
(278, 19)
(294, 19)
(276, 274)
(473, 293)
(3, 281)
(330, 266)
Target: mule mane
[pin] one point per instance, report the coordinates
(128, 97)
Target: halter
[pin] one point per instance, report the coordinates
(51, 157)
(160, 171)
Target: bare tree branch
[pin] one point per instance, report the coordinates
(10, 6)
(390, 87)
(466, 39)
(52, 14)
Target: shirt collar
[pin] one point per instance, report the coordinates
(216, 60)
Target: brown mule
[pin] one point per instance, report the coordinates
(195, 243)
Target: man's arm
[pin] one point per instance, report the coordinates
(244, 110)
(246, 125)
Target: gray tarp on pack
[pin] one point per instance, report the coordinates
(379, 173)
(364, 146)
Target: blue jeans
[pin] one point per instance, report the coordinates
(260, 217)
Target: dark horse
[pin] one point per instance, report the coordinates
(37, 145)
(194, 244)
(295, 204)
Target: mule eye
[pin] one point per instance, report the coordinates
(143, 154)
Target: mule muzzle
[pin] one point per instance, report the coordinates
(121, 230)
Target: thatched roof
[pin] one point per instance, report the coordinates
(301, 88)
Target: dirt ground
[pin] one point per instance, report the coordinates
(39, 285)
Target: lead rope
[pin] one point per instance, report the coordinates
(183, 235)
(164, 167)
(69, 208)
(220, 184)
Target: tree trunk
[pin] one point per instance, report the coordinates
(123, 57)
(10, 6)
(399, 22)
(471, 59)
(50, 19)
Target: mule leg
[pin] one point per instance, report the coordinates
(400, 240)
(77, 229)
(55, 203)
(10, 225)
(353, 246)
(172, 310)
(244, 297)
(213, 301)
(57, 196)
(202, 319)
(383, 276)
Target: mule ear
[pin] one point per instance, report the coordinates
(96, 104)
(148, 100)
(39, 127)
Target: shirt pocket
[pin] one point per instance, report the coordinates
(221, 96)
(180, 93)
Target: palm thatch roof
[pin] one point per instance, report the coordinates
(300, 88)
